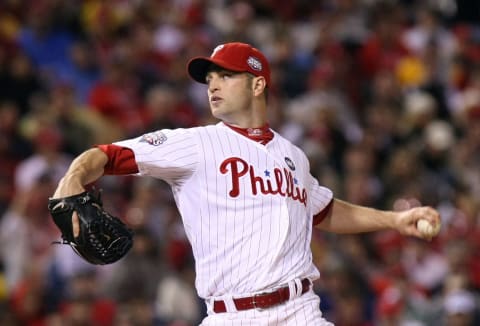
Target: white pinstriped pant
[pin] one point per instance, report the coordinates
(300, 311)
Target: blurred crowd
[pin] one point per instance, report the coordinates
(384, 97)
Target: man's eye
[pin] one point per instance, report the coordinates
(226, 76)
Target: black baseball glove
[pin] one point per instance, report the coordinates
(103, 238)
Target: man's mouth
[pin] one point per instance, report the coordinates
(215, 99)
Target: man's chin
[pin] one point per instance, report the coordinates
(217, 112)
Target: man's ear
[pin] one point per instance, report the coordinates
(259, 83)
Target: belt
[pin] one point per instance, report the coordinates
(262, 300)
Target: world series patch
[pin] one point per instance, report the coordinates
(154, 138)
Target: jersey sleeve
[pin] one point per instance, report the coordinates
(168, 154)
(121, 160)
(321, 201)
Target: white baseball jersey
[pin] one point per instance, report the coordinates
(247, 208)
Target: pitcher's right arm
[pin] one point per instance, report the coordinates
(85, 168)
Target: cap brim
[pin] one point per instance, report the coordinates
(198, 68)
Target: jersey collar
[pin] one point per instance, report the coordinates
(261, 135)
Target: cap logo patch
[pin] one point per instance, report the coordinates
(254, 63)
(218, 48)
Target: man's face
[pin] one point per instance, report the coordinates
(230, 94)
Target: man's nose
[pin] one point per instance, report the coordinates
(213, 83)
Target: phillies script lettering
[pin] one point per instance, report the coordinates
(282, 182)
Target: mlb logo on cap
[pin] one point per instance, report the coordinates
(236, 56)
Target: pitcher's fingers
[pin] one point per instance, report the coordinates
(75, 224)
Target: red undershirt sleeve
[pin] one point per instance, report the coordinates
(318, 218)
(121, 160)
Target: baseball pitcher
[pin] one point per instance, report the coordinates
(246, 197)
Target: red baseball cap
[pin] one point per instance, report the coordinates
(235, 56)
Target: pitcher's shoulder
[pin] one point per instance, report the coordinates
(211, 128)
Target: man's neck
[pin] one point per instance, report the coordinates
(246, 122)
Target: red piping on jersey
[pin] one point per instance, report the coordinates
(121, 160)
(318, 218)
(262, 134)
